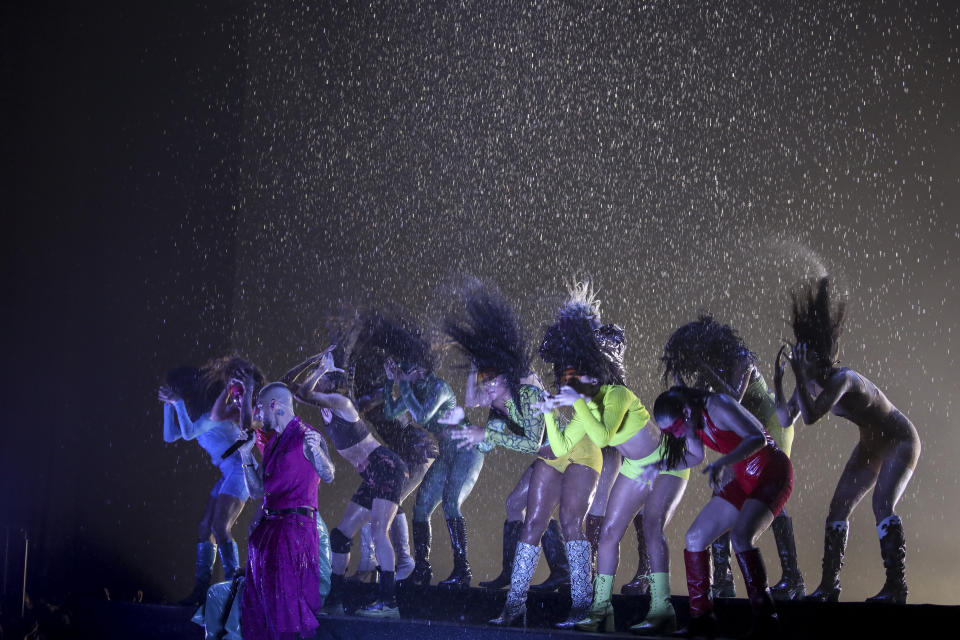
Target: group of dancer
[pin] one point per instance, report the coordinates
(599, 461)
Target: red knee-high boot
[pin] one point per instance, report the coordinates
(702, 621)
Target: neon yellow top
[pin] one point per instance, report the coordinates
(609, 418)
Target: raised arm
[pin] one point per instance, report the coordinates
(741, 373)
(294, 372)
(423, 412)
(333, 401)
(833, 389)
(316, 452)
(616, 403)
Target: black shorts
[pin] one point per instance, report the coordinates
(384, 478)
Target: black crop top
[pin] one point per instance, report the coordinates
(345, 434)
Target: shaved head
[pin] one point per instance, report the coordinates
(275, 404)
(276, 391)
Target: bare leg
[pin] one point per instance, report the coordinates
(626, 499)
(858, 477)
(381, 516)
(657, 512)
(892, 480)
(612, 459)
(543, 496)
(354, 517)
(579, 487)
(714, 519)
(225, 512)
(205, 528)
(517, 500)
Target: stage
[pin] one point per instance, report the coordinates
(432, 613)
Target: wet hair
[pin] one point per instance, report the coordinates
(718, 345)
(188, 383)
(817, 322)
(218, 372)
(400, 337)
(669, 406)
(491, 336)
(572, 339)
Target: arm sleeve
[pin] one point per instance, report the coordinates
(423, 413)
(189, 429)
(529, 419)
(616, 403)
(393, 408)
(171, 432)
(562, 442)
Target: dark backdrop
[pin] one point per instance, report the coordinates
(185, 180)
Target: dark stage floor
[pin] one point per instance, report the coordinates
(430, 613)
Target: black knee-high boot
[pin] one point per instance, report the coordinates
(893, 548)
(511, 534)
(555, 551)
(422, 572)
(834, 546)
(461, 575)
(791, 585)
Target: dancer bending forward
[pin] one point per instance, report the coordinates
(744, 504)
(883, 460)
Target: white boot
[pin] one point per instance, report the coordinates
(524, 566)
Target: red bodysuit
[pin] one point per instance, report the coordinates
(766, 475)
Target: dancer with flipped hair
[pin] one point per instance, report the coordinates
(567, 480)
(205, 405)
(500, 377)
(744, 504)
(609, 414)
(885, 456)
(383, 472)
(417, 447)
(281, 594)
(708, 355)
(426, 398)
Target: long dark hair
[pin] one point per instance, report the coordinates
(818, 322)
(669, 406)
(188, 383)
(491, 336)
(715, 344)
(573, 339)
(217, 373)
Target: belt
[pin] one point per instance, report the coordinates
(303, 511)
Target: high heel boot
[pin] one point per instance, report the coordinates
(834, 546)
(230, 558)
(581, 587)
(600, 617)
(461, 575)
(400, 539)
(555, 552)
(525, 560)
(702, 621)
(661, 618)
(206, 558)
(893, 548)
(791, 585)
(511, 534)
(422, 573)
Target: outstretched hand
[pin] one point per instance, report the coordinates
(466, 436)
(718, 474)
